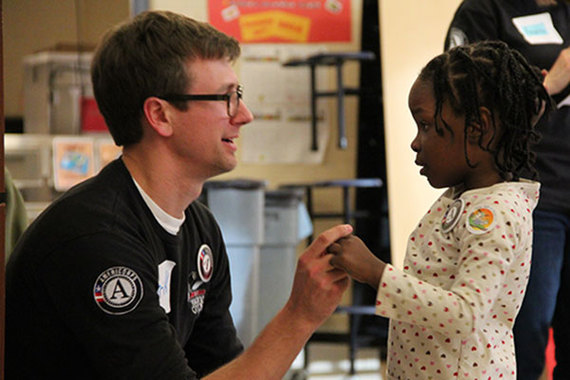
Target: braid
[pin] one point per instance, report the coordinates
(492, 75)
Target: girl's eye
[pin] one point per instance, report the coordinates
(423, 126)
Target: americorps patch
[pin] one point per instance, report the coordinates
(118, 290)
(205, 263)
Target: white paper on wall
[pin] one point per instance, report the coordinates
(280, 99)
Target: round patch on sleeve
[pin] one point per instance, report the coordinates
(452, 215)
(118, 290)
(481, 220)
(205, 263)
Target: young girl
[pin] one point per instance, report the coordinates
(453, 305)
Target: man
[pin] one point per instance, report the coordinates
(126, 276)
(539, 30)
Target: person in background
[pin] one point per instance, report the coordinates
(540, 31)
(126, 275)
(453, 306)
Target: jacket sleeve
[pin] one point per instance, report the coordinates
(214, 340)
(474, 20)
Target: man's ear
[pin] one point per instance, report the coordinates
(156, 112)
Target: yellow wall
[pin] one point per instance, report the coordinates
(412, 32)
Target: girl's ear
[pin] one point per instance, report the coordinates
(479, 132)
(474, 133)
(156, 112)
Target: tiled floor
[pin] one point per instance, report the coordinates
(330, 362)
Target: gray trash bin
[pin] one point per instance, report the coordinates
(284, 227)
(238, 208)
(261, 230)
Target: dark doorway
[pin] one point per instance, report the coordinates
(371, 162)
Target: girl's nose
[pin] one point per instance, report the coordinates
(415, 145)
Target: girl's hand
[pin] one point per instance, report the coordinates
(351, 255)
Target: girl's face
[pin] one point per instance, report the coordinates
(442, 157)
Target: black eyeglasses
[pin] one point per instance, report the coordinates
(232, 99)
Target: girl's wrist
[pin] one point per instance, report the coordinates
(376, 273)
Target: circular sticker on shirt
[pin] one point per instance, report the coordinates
(481, 220)
(118, 290)
(452, 215)
(205, 263)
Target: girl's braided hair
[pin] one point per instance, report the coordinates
(492, 75)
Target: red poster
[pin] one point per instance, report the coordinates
(297, 21)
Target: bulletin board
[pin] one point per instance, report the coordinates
(282, 21)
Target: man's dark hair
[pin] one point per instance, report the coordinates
(146, 56)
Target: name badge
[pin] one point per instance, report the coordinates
(538, 29)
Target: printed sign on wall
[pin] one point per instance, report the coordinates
(73, 161)
(293, 21)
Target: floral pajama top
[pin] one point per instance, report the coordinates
(453, 305)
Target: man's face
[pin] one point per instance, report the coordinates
(204, 134)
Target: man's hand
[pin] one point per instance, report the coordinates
(318, 287)
(317, 290)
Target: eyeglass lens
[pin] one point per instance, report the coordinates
(233, 104)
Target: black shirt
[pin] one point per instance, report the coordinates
(477, 20)
(96, 288)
